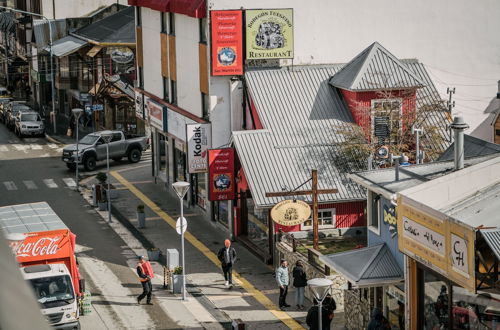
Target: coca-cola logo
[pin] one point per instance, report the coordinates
(43, 246)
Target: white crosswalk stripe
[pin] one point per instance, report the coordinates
(20, 147)
(30, 184)
(50, 183)
(36, 147)
(10, 185)
(69, 182)
(52, 146)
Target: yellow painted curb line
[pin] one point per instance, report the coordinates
(259, 296)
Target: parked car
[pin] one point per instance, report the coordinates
(12, 112)
(4, 93)
(92, 148)
(29, 123)
(4, 105)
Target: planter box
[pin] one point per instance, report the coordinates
(177, 283)
(141, 220)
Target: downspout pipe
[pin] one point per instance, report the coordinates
(459, 126)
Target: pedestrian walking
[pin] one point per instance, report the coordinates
(283, 281)
(299, 282)
(378, 321)
(227, 257)
(145, 272)
(312, 317)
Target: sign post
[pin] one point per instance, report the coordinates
(314, 192)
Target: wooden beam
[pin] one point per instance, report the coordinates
(300, 192)
(315, 209)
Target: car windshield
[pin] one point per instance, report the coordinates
(30, 117)
(89, 139)
(53, 291)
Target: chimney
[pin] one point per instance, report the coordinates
(458, 126)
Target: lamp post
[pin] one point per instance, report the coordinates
(181, 188)
(52, 83)
(77, 113)
(107, 136)
(320, 288)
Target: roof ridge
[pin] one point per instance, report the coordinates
(377, 249)
(371, 51)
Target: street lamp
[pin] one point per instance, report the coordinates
(52, 83)
(107, 136)
(320, 288)
(181, 188)
(77, 113)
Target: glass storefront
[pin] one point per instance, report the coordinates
(221, 212)
(201, 190)
(179, 163)
(258, 230)
(395, 306)
(434, 302)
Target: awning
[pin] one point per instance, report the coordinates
(370, 266)
(94, 51)
(193, 8)
(492, 237)
(66, 46)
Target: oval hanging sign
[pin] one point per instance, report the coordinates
(290, 212)
(122, 55)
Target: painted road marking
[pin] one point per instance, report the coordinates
(4, 148)
(52, 146)
(69, 182)
(50, 183)
(30, 184)
(240, 280)
(35, 147)
(20, 147)
(10, 185)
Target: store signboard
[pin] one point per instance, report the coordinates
(227, 42)
(156, 114)
(221, 174)
(269, 33)
(437, 240)
(199, 140)
(139, 105)
(177, 124)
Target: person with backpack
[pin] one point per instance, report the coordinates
(300, 283)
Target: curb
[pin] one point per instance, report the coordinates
(52, 140)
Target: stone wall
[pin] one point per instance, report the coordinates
(357, 315)
(339, 282)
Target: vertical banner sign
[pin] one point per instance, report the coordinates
(199, 140)
(227, 42)
(156, 114)
(269, 33)
(221, 174)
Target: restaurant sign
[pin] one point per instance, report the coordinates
(227, 42)
(290, 212)
(437, 241)
(199, 138)
(269, 33)
(221, 174)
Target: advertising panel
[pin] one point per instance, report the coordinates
(199, 138)
(221, 174)
(269, 33)
(156, 113)
(227, 42)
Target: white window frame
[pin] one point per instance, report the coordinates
(320, 220)
(373, 102)
(370, 197)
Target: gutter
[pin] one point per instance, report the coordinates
(103, 44)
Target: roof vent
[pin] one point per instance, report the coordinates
(458, 126)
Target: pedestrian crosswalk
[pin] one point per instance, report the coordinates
(32, 146)
(38, 184)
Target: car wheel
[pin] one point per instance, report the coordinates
(89, 163)
(71, 166)
(134, 155)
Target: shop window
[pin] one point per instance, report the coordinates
(166, 87)
(497, 132)
(173, 97)
(257, 228)
(203, 30)
(434, 302)
(171, 24)
(201, 190)
(205, 106)
(326, 219)
(221, 212)
(386, 120)
(395, 306)
(374, 212)
(138, 18)
(164, 22)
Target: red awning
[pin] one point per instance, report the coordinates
(193, 8)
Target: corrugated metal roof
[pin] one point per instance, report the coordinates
(375, 68)
(492, 237)
(41, 31)
(367, 266)
(26, 218)
(66, 46)
(473, 147)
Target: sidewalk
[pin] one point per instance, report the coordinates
(254, 297)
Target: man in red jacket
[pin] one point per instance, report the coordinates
(145, 273)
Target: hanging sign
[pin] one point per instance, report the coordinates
(290, 212)
(156, 114)
(121, 55)
(227, 42)
(269, 33)
(221, 174)
(199, 137)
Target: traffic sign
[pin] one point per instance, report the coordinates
(98, 107)
(178, 225)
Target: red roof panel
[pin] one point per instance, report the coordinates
(193, 8)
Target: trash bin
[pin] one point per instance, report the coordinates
(153, 254)
(172, 258)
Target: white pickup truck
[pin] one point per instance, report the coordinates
(92, 148)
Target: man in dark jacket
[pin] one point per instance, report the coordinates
(312, 317)
(378, 321)
(227, 257)
(147, 287)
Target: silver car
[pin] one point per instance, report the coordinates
(12, 111)
(29, 123)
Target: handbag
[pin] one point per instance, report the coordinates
(69, 132)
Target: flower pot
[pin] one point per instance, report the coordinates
(141, 219)
(177, 283)
(154, 254)
(103, 206)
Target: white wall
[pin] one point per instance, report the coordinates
(188, 79)
(151, 27)
(74, 8)
(457, 40)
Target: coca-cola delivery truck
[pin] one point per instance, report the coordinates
(45, 251)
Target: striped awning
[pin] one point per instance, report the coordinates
(492, 237)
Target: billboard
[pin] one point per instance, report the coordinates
(269, 33)
(221, 174)
(199, 140)
(156, 114)
(227, 42)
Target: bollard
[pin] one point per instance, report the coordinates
(238, 325)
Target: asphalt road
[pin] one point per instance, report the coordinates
(31, 171)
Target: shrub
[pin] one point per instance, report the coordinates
(101, 177)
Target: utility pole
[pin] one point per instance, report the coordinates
(450, 104)
(314, 192)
